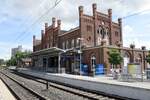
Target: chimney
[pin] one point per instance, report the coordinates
(80, 11)
(58, 23)
(110, 25)
(53, 21)
(110, 13)
(120, 21)
(42, 34)
(46, 26)
(132, 46)
(143, 48)
(94, 6)
(34, 37)
(120, 25)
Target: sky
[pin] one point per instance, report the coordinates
(21, 19)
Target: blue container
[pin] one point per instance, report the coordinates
(99, 69)
(84, 69)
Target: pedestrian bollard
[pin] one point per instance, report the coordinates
(46, 84)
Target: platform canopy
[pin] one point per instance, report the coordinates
(53, 50)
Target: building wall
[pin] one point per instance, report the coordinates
(97, 33)
(69, 38)
(99, 27)
(15, 50)
(93, 29)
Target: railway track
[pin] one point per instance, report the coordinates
(81, 94)
(20, 91)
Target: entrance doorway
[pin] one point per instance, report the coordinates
(44, 63)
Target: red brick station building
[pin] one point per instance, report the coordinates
(91, 41)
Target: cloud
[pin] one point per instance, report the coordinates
(132, 36)
(18, 15)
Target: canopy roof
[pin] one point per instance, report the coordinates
(53, 50)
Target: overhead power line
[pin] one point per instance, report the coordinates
(26, 20)
(39, 18)
(134, 14)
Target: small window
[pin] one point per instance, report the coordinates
(107, 31)
(89, 28)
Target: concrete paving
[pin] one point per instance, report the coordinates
(5, 94)
(108, 80)
(135, 90)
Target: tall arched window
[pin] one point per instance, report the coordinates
(93, 62)
(103, 32)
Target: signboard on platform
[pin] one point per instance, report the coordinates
(99, 69)
(84, 69)
(134, 69)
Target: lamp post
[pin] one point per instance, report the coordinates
(93, 64)
(80, 52)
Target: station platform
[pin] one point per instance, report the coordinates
(5, 94)
(133, 90)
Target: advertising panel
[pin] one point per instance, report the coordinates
(134, 69)
(99, 70)
(84, 69)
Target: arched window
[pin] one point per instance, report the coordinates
(93, 61)
(99, 30)
(107, 31)
(139, 58)
(103, 33)
(126, 58)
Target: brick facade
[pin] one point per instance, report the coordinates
(98, 33)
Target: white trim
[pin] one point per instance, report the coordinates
(69, 31)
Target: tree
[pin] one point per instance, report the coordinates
(11, 62)
(14, 61)
(115, 57)
(20, 55)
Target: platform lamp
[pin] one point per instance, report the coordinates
(80, 52)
